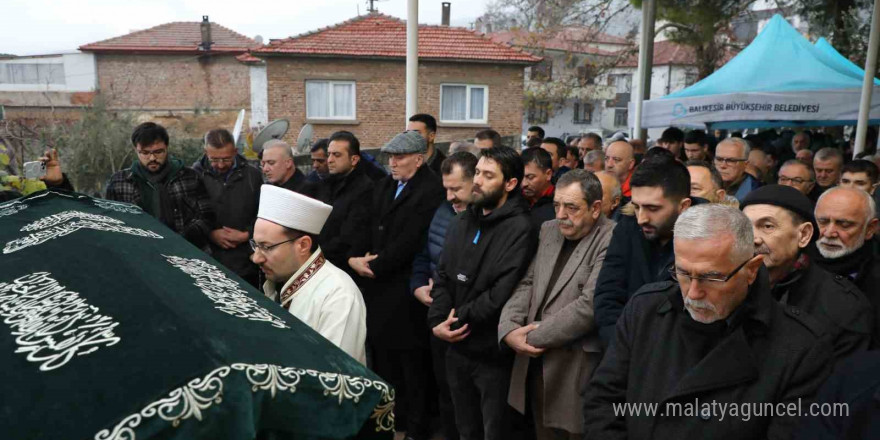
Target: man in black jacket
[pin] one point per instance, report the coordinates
(488, 249)
(402, 207)
(234, 189)
(426, 125)
(847, 219)
(537, 187)
(782, 219)
(349, 191)
(640, 251)
(280, 169)
(714, 352)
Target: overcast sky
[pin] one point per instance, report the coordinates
(50, 26)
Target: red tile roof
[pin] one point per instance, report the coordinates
(381, 36)
(570, 39)
(669, 53)
(247, 58)
(174, 37)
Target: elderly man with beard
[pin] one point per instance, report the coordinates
(782, 220)
(641, 247)
(704, 347)
(548, 321)
(488, 249)
(847, 219)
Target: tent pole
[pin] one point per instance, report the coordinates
(868, 81)
(412, 58)
(646, 63)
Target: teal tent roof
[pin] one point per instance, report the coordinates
(833, 58)
(779, 59)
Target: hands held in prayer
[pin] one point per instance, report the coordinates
(517, 341)
(444, 329)
(423, 294)
(361, 265)
(228, 238)
(53, 175)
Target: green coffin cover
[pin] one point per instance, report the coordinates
(115, 327)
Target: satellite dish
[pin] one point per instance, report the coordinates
(236, 132)
(275, 130)
(304, 140)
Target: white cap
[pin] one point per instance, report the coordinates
(292, 210)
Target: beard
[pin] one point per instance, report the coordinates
(487, 200)
(660, 231)
(839, 250)
(708, 312)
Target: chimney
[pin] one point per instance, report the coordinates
(206, 34)
(447, 9)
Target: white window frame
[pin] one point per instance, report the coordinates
(331, 83)
(468, 119)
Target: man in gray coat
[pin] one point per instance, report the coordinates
(549, 319)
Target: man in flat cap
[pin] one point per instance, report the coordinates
(402, 207)
(313, 289)
(782, 220)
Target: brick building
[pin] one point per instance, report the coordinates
(175, 71)
(352, 77)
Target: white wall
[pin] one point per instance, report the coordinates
(79, 73)
(259, 96)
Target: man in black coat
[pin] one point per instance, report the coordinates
(278, 166)
(234, 189)
(488, 249)
(349, 191)
(782, 220)
(710, 352)
(537, 187)
(402, 207)
(640, 251)
(847, 219)
(426, 125)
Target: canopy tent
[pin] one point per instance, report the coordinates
(841, 63)
(780, 79)
(112, 326)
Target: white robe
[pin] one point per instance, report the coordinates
(330, 303)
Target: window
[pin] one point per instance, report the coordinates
(21, 73)
(583, 113)
(538, 113)
(330, 100)
(620, 117)
(542, 71)
(463, 103)
(623, 85)
(586, 74)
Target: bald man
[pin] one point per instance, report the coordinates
(611, 194)
(280, 170)
(620, 160)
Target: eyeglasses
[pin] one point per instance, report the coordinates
(684, 277)
(728, 160)
(154, 153)
(221, 159)
(265, 249)
(795, 180)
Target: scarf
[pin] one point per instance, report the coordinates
(153, 188)
(849, 265)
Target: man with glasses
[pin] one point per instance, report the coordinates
(731, 156)
(234, 189)
(797, 175)
(298, 276)
(163, 187)
(710, 340)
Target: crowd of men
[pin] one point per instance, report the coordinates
(529, 293)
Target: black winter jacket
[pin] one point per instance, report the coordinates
(350, 197)
(484, 258)
(427, 260)
(235, 200)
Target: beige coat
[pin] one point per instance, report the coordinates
(567, 329)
